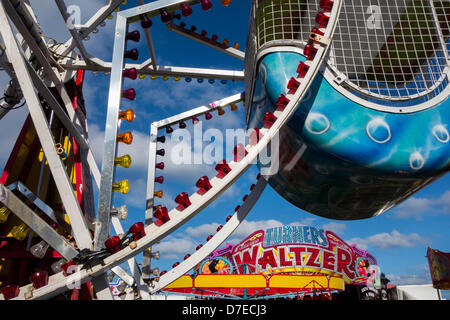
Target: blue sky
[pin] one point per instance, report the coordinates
(398, 238)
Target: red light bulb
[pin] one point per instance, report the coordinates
(145, 21)
(137, 230)
(10, 291)
(113, 244)
(292, 85)
(203, 184)
(255, 136)
(219, 228)
(186, 256)
(186, 11)
(239, 152)
(269, 119)
(162, 214)
(195, 120)
(228, 218)
(130, 73)
(282, 101)
(206, 4)
(68, 268)
(326, 5)
(132, 54)
(159, 179)
(209, 237)
(302, 69)
(133, 36)
(183, 201)
(161, 152)
(198, 247)
(309, 51)
(223, 169)
(322, 19)
(208, 116)
(129, 94)
(160, 165)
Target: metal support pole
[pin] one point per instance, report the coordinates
(102, 225)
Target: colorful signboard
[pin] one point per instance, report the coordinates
(295, 250)
(439, 263)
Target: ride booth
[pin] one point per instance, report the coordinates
(291, 262)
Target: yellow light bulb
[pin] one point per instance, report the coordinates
(153, 77)
(142, 76)
(4, 214)
(165, 78)
(123, 161)
(122, 186)
(110, 17)
(176, 78)
(125, 137)
(158, 194)
(236, 46)
(127, 115)
(20, 232)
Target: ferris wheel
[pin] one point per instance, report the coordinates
(381, 79)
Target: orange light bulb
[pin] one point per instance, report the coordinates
(125, 137)
(158, 194)
(127, 115)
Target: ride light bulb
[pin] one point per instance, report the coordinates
(155, 255)
(20, 232)
(255, 136)
(292, 85)
(127, 115)
(133, 36)
(209, 237)
(158, 194)
(198, 247)
(129, 94)
(132, 54)
(39, 279)
(228, 218)
(137, 230)
(326, 5)
(4, 214)
(123, 161)
(186, 256)
(122, 186)
(56, 266)
(309, 51)
(183, 201)
(322, 19)
(161, 139)
(120, 212)
(182, 124)
(226, 3)
(40, 249)
(169, 129)
(317, 31)
(233, 107)
(126, 137)
(113, 244)
(155, 272)
(165, 15)
(208, 116)
(69, 268)
(214, 37)
(145, 21)
(302, 69)
(223, 169)
(203, 184)
(162, 214)
(219, 228)
(206, 5)
(159, 179)
(239, 152)
(161, 152)
(186, 11)
(220, 112)
(176, 264)
(10, 291)
(160, 165)
(269, 119)
(195, 120)
(130, 73)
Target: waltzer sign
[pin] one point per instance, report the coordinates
(295, 249)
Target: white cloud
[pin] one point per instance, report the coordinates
(386, 240)
(336, 227)
(417, 208)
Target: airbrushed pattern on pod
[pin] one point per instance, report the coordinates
(343, 160)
